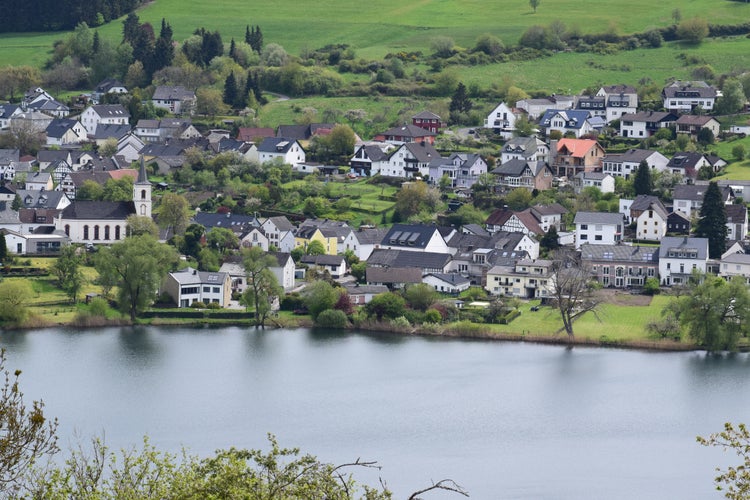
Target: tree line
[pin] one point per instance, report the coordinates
(46, 15)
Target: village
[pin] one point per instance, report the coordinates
(646, 240)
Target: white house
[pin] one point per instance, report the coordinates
(176, 100)
(63, 131)
(452, 283)
(334, 264)
(598, 228)
(736, 264)
(679, 256)
(619, 100)
(462, 169)
(287, 151)
(190, 285)
(651, 224)
(685, 97)
(530, 149)
(736, 221)
(626, 164)
(255, 237)
(502, 120)
(284, 270)
(602, 181)
(526, 279)
(280, 233)
(410, 159)
(644, 124)
(105, 114)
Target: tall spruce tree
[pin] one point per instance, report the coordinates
(230, 90)
(712, 223)
(642, 183)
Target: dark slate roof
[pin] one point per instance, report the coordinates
(514, 168)
(99, 176)
(426, 115)
(393, 275)
(8, 155)
(404, 258)
(281, 223)
(696, 192)
(104, 210)
(695, 120)
(650, 116)
(736, 214)
(643, 201)
(424, 153)
(409, 235)
(107, 130)
(276, 144)
(408, 131)
(689, 89)
(499, 217)
(39, 199)
(111, 110)
(522, 145)
(619, 89)
(7, 110)
(683, 243)
(598, 218)
(108, 84)
(165, 93)
(620, 253)
(152, 149)
(59, 126)
(685, 159)
(293, 132)
(372, 236)
(631, 156)
(281, 257)
(322, 260)
(452, 278)
(358, 289)
(552, 209)
(236, 222)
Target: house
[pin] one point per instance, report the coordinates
(129, 147)
(334, 264)
(474, 255)
(392, 277)
(428, 121)
(549, 215)
(692, 125)
(62, 131)
(30, 121)
(304, 133)
(688, 198)
(678, 224)
(522, 173)
(502, 120)
(285, 151)
(598, 228)
(106, 131)
(644, 124)
(425, 262)
(405, 134)
(619, 100)
(595, 105)
(72, 181)
(626, 164)
(575, 121)
(189, 285)
(535, 108)
(637, 206)
(735, 264)
(525, 148)
(43, 242)
(409, 160)
(577, 155)
(166, 129)
(621, 266)
(108, 86)
(337, 236)
(651, 223)
(679, 256)
(7, 111)
(525, 279)
(50, 107)
(255, 237)
(602, 181)
(254, 134)
(463, 169)
(284, 270)
(368, 155)
(524, 222)
(366, 240)
(59, 169)
(417, 238)
(452, 283)
(104, 114)
(238, 223)
(687, 164)
(736, 221)
(686, 97)
(362, 294)
(177, 100)
(280, 233)
(42, 199)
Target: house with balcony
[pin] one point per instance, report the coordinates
(602, 181)
(686, 97)
(104, 114)
(693, 124)
(525, 148)
(679, 257)
(576, 121)
(621, 266)
(577, 155)
(526, 279)
(286, 151)
(643, 124)
(406, 134)
(428, 121)
(626, 164)
(502, 120)
(409, 160)
(190, 285)
(368, 157)
(598, 228)
(618, 100)
(521, 173)
(463, 169)
(177, 100)
(688, 198)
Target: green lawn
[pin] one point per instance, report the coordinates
(618, 322)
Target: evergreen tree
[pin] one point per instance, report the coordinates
(130, 27)
(248, 35)
(233, 50)
(712, 221)
(96, 44)
(230, 90)
(3, 248)
(257, 40)
(460, 103)
(642, 183)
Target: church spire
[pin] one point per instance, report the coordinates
(142, 176)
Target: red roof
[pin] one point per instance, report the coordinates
(576, 148)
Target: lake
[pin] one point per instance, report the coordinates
(502, 419)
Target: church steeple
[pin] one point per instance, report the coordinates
(142, 192)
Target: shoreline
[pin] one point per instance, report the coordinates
(438, 331)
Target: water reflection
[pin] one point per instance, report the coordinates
(136, 342)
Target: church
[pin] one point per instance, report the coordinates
(105, 222)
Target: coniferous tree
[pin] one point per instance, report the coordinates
(130, 27)
(230, 90)
(248, 35)
(460, 103)
(96, 44)
(642, 183)
(233, 50)
(3, 248)
(712, 221)
(258, 40)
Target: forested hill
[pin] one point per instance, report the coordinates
(56, 15)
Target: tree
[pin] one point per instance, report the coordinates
(209, 102)
(550, 241)
(442, 46)
(262, 285)
(734, 480)
(705, 137)
(420, 296)
(109, 148)
(573, 290)
(14, 296)
(137, 266)
(319, 296)
(67, 270)
(173, 213)
(118, 189)
(460, 103)
(534, 4)
(230, 90)
(489, 44)
(712, 221)
(222, 239)
(140, 224)
(315, 247)
(417, 197)
(386, 305)
(732, 98)
(3, 247)
(692, 30)
(519, 199)
(738, 152)
(642, 182)
(26, 434)
(716, 312)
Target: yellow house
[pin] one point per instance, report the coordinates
(307, 234)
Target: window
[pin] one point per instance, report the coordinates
(584, 227)
(584, 237)
(206, 289)
(598, 237)
(217, 289)
(96, 232)
(85, 232)
(106, 232)
(117, 232)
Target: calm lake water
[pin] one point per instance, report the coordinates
(504, 420)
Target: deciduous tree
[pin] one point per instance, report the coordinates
(262, 285)
(319, 296)
(67, 270)
(734, 481)
(573, 289)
